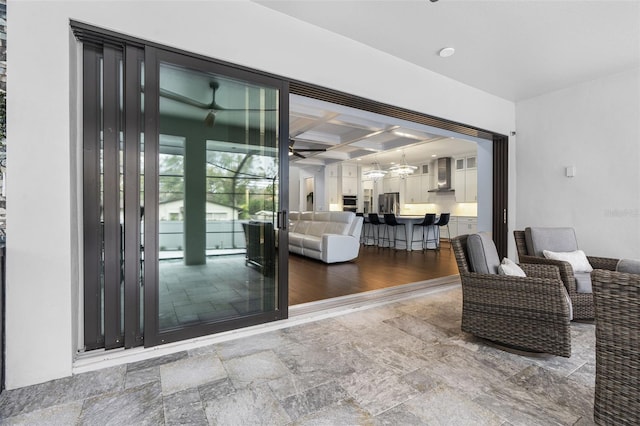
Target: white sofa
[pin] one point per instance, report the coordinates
(327, 236)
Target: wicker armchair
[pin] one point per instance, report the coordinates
(530, 313)
(582, 302)
(617, 309)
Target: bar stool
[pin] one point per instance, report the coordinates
(363, 231)
(427, 223)
(443, 220)
(374, 223)
(391, 222)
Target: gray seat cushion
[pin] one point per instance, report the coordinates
(483, 255)
(552, 239)
(583, 282)
(630, 266)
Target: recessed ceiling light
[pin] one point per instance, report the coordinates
(433, 155)
(446, 52)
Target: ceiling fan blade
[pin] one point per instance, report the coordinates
(296, 151)
(164, 93)
(213, 105)
(168, 94)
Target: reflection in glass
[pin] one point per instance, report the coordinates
(218, 192)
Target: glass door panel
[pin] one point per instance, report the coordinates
(218, 190)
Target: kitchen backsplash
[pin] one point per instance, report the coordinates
(456, 209)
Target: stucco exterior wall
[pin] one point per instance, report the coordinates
(594, 127)
(43, 256)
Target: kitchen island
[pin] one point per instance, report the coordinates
(409, 222)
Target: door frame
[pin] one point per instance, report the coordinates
(500, 178)
(96, 36)
(153, 57)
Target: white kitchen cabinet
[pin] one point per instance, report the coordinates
(427, 183)
(417, 186)
(349, 186)
(413, 188)
(471, 186)
(367, 184)
(331, 170)
(391, 184)
(460, 186)
(467, 225)
(349, 179)
(331, 184)
(453, 228)
(466, 184)
(472, 162)
(349, 170)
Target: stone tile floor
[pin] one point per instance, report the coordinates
(404, 363)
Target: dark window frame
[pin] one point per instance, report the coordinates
(153, 56)
(96, 36)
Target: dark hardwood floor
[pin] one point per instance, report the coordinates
(375, 268)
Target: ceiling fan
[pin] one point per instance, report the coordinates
(213, 107)
(297, 151)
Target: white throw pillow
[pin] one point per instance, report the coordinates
(577, 259)
(509, 267)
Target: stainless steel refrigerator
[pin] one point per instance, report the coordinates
(389, 202)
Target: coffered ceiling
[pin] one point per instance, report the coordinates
(352, 135)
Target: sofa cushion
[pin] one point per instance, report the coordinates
(302, 226)
(344, 217)
(629, 266)
(577, 259)
(340, 223)
(317, 228)
(312, 242)
(322, 216)
(509, 267)
(553, 239)
(337, 228)
(483, 255)
(295, 239)
(583, 282)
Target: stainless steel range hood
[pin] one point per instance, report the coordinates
(444, 176)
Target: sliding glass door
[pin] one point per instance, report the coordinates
(217, 198)
(184, 196)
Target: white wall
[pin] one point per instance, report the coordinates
(43, 261)
(596, 128)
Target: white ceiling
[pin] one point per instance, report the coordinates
(514, 49)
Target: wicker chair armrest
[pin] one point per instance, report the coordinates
(525, 293)
(603, 263)
(566, 270)
(540, 270)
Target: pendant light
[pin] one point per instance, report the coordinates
(404, 169)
